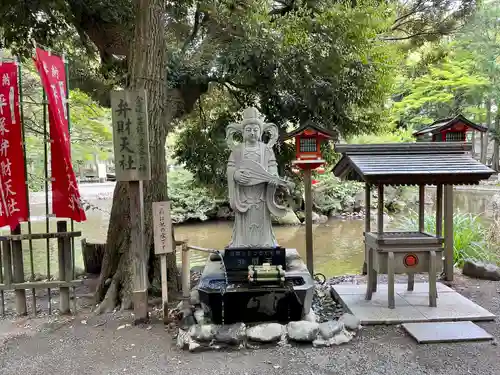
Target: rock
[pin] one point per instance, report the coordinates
(329, 329)
(350, 321)
(193, 346)
(341, 338)
(290, 218)
(310, 317)
(199, 316)
(194, 298)
(302, 331)
(187, 319)
(205, 332)
(359, 201)
(224, 212)
(267, 332)
(232, 334)
(183, 339)
(481, 270)
(319, 219)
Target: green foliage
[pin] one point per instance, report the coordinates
(387, 136)
(189, 200)
(447, 88)
(331, 195)
(469, 236)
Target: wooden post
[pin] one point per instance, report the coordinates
(432, 279)
(164, 286)
(390, 280)
(367, 222)
(64, 260)
(439, 210)
(380, 209)
(131, 148)
(140, 293)
(448, 232)
(309, 234)
(186, 275)
(421, 208)
(18, 273)
(7, 263)
(164, 244)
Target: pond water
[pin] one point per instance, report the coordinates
(338, 244)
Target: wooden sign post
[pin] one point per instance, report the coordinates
(132, 164)
(162, 229)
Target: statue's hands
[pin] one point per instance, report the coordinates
(241, 177)
(273, 183)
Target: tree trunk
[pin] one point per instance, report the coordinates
(147, 69)
(495, 157)
(484, 139)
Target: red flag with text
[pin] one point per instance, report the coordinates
(13, 202)
(66, 200)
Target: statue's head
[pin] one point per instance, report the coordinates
(251, 128)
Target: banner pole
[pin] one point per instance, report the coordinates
(72, 224)
(25, 158)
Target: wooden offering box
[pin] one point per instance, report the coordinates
(411, 250)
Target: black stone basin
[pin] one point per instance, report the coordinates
(244, 302)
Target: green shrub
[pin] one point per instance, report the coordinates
(189, 200)
(469, 236)
(332, 194)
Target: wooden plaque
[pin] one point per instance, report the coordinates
(130, 135)
(162, 228)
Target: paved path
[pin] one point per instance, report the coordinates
(97, 346)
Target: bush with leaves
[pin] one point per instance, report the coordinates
(469, 236)
(189, 200)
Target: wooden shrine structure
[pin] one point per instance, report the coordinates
(452, 129)
(425, 163)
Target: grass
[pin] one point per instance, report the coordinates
(471, 238)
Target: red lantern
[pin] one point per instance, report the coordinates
(308, 138)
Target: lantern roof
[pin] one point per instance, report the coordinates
(447, 123)
(308, 126)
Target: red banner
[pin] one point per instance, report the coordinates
(66, 200)
(13, 204)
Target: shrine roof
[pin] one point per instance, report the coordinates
(422, 163)
(442, 124)
(310, 125)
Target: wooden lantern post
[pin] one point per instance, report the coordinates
(308, 138)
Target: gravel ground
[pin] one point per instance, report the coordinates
(87, 344)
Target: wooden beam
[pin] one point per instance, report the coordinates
(40, 285)
(448, 232)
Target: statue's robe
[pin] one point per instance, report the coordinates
(253, 205)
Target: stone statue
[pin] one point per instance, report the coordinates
(252, 177)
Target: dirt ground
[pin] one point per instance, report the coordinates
(109, 344)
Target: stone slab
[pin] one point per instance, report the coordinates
(411, 307)
(425, 333)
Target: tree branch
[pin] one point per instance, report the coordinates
(196, 28)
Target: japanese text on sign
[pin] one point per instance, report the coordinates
(13, 202)
(162, 228)
(130, 135)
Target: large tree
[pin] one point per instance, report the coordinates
(220, 42)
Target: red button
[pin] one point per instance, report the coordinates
(410, 260)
